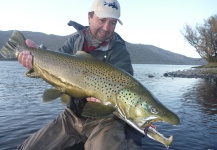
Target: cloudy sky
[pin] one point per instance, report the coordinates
(152, 22)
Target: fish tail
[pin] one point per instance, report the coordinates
(14, 46)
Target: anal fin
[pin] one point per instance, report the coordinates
(51, 94)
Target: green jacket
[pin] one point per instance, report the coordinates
(116, 55)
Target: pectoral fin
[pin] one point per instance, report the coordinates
(51, 94)
(32, 74)
(65, 99)
(97, 110)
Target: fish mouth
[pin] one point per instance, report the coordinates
(171, 119)
(151, 132)
(148, 121)
(147, 128)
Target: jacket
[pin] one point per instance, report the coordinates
(116, 55)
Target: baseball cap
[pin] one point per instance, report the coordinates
(106, 9)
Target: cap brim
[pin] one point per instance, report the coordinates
(120, 21)
(104, 15)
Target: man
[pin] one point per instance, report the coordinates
(70, 129)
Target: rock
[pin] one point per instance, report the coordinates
(165, 74)
(150, 76)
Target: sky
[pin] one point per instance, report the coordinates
(149, 22)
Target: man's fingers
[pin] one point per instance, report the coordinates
(22, 55)
(29, 62)
(30, 43)
(93, 99)
(25, 58)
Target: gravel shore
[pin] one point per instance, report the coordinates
(207, 73)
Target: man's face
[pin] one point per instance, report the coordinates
(101, 28)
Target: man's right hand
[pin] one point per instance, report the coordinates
(25, 57)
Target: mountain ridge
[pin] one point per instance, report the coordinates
(140, 53)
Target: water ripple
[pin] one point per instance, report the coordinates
(22, 111)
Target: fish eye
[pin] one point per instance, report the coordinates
(153, 110)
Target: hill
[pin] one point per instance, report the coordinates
(140, 54)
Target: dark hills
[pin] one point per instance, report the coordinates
(140, 54)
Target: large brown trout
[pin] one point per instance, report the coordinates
(83, 76)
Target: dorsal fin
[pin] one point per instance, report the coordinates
(83, 54)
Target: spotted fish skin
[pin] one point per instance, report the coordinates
(83, 76)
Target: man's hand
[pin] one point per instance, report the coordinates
(25, 57)
(92, 99)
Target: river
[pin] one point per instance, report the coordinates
(22, 111)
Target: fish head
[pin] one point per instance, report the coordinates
(143, 109)
(140, 109)
(149, 110)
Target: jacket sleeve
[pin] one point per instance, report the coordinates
(120, 58)
(72, 45)
(67, 47)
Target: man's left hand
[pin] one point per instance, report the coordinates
(93, 99)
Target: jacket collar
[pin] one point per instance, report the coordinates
(116, 37)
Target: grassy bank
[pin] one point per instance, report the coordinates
(209, 65)
(211, 68)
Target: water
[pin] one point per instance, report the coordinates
(22, 111)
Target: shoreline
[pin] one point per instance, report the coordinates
(205, 73)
